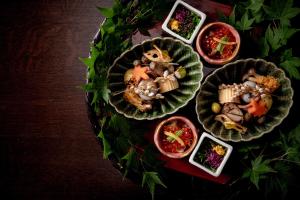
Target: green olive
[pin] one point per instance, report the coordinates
(180, 72)
(215, 107)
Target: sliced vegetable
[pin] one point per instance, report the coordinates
(229, 124)
(257, 108)
(139, 73)
(178, 133)
(224, 40)
(172, 135)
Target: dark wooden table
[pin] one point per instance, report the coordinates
(47, 146)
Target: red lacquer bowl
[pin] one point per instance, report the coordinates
(159, 136)
(212, 35)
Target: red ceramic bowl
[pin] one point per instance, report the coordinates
(159, 136)
(211, 35)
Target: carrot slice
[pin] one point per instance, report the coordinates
(257, 108)
(139, 73)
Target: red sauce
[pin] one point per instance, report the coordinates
(210, 45)
(169, 144)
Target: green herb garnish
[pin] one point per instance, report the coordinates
(222, 44)
(177, 133)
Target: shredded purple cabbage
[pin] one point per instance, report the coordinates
(181, 14)
(213, 159)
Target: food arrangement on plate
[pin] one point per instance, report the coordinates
(244, 100)
(210, 154)
(218, 43)
(175, 137)
(154, 78)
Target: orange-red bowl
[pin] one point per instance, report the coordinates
(158, 131)
(202, 52)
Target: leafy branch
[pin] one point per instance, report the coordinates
(271, 165)
(267, 29)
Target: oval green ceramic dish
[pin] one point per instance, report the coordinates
(180, 53)
(232, 73)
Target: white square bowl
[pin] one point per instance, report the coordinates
(197, 28)
(199, 147)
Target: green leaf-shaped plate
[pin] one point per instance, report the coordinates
(233, 73)
(181, 53)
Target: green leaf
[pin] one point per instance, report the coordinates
(278, 37)
(245, 23)
(120, 124)
(290, 64)
(281, 10)
(258, 16)
(121, 144)
(131, 159)
(246, 150)
(152, 179)
(255, 5)
(106, 146)
(125, 44)
(231, 18)
(106, 12)
(259, 168)
(264, 47)
(294, 135)
(107, 28)
(293, 145)
(291, 67)
(90, 61)
(102, 121)
(105, 91)
(101, 90)
(89, 87)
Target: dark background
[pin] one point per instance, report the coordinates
(48, 149)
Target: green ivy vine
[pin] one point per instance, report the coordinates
(265, 28)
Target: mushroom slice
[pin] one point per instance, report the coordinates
(232, 111)
(131, 97)
(229, 124)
